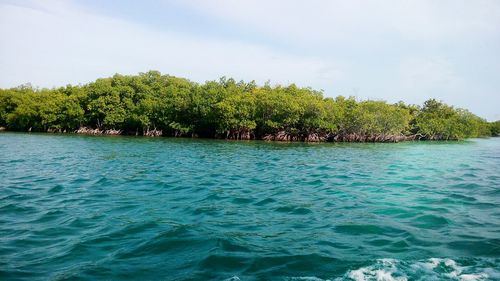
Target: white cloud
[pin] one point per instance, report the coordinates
(317, 21)
(428, 74)
(55, 44)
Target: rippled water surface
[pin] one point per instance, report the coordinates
(124, 208)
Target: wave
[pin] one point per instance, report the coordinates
(429, 269)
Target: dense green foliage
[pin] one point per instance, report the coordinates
(495, 128)
(151, 102)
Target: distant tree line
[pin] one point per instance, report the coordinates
(152, 104)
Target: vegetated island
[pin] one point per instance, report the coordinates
(151, 104)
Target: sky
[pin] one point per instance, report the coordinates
(408, 50)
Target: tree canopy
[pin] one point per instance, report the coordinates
(154, 104)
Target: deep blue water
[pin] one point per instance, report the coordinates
(126, 208)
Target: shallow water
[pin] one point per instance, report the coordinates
(125, 208)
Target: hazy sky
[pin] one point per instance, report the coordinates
(389, 50)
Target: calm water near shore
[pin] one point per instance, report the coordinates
(133, 208)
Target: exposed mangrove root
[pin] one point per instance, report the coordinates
(112, 132)
(152, 133)
(315, 137)
(53, 130)
(282, 135)
(90, 131)
(371, 138)
(328, 137)
(236, 135)
(437, 137)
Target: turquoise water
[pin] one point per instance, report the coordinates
(125, 208)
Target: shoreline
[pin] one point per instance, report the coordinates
(279, 137)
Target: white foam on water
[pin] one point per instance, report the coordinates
(366, 274)
(383, 270)
(448, 268)
(308, 278)
(473, 277)
(430, 269)
(234, 278)
(430, 264)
